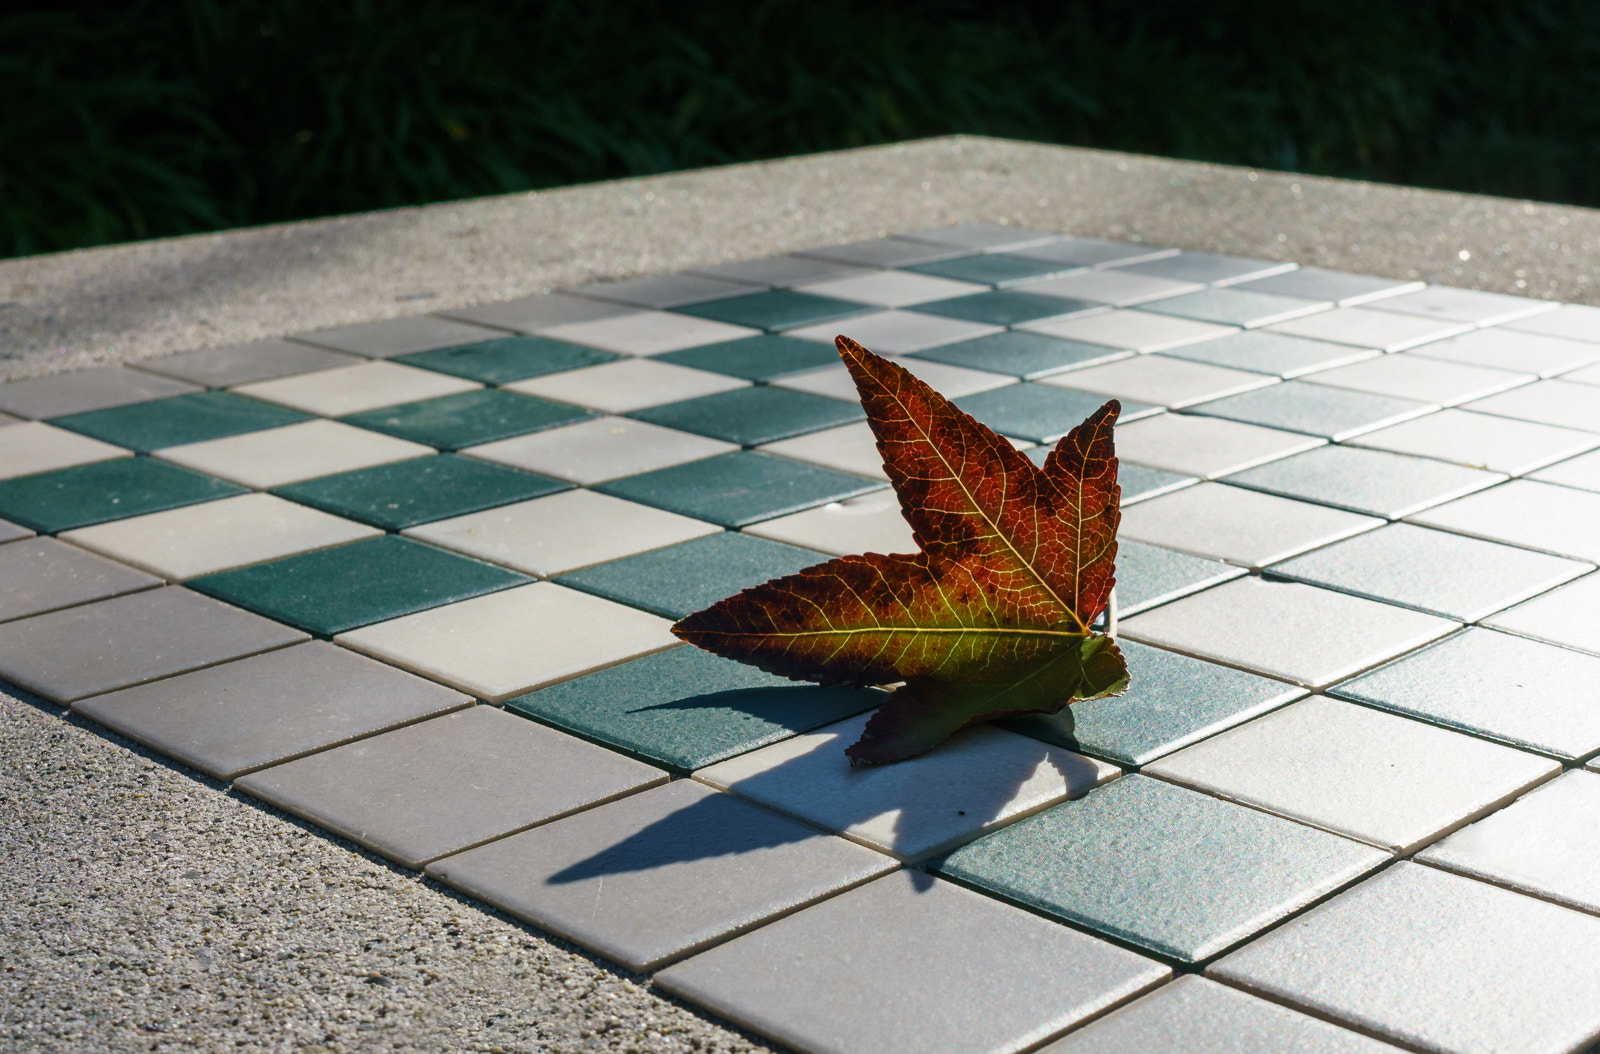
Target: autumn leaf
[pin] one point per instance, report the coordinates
(990, 617)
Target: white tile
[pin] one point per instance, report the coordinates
(631, 384)
(1543, 516)
(1117, 288)
(1134, 330)
(1504, 348)
(1412, 376)
(541, 312)
(1569, 616)
(1244, 527)
(987, 237)
(1365, 327)
(952, 382)
(1465, 305)
(1160, 380)
(34, 446)
(1581, 472)
(1562, 403)
(896, 332)
(884, 252)
(217, 535)
(514, 641)
(352, 389)
(398, 336)
(648, 332)
(780, 272)
(871, 523)
(1498, 444)
(600, 449)
(1343, 288)
(80, 391)
(848, 448)
(1586, 375)
(1205, 446)
(663, 290)
(891, 288)
(292, 453)
(1572, 321)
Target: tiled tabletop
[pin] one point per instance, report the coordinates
(412, 581)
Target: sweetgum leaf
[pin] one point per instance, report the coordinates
(990, 617)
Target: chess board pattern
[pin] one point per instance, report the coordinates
(412, 581)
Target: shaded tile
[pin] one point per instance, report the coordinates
(292, 453)
(468, 419)
(1148, 575)
(1446, 574)
(1159, 380)
(737, 489)
(84, 390)
(217, 535)
(406, 493)
(1039, 412)
(106, 490)
(68, 654)
(1411, 376)
(508, 359)
(1134, 330)
(1176, 873)
(446, 784)
(599, 449)
(332, 590)
(503, 644)
(1406, 954)
(1276, 354)
(981, 779)
(1027, 356)
(10, 532)
(1281, 629)
(1560, 403)
(989, 977)
(1503, 348)
(1543, 516)
(648, 332)
(1465, 305)
(1484, 441)
(897, 332)
(781, 271)
(848, 448)
(537, 314)
(990, 237)
(1210, 268)
(895, 288)
(883, 252)
(659, 874)
(1364, 327)
(42, 574)
(1205, 446)
(950, 381)
(992, 269)
(1242, 526)
(241, 715)
(752, 416)
(1092, 252)
(756, 358)
(352, 389)
(1115, 287)
(1236, 307)
(775, 309)
(1520, 692)
(1569, 616)
(1580, 472)
(685, 708)
(680, 579)
(1299, 406)
(1342, 287)
(663, 290)
(561, 532)
(35, 447)
(180, 419)
(397, 336)
(1008, 307)
(261, 360)
(1137, 481)
(1370, 481)
(620, 387)
(871, 523)
(1572, 321)
(1172, 701)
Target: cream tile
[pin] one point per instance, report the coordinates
(295, 452)
(871, 523)
(621, 387)
(37, 447)
(1134, 330)
(1160, 380)
(352, 389)
(600, 449)
(1205, 446)
(891, 288)
(648, 332)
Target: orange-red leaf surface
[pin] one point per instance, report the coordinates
(991, 616)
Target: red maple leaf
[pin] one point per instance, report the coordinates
(990, 617)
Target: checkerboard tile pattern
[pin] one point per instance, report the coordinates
(413, 580)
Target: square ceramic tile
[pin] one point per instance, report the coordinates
(1039, 412)
(950, 381)
(10, 532)
(1026, 356)
(871, 523)
(1413, 376)
(621, 387)
(685, 708)
(1502, 348)
(1115, 287)
(1205, 446)
(1572, 321)
(752, 416)
(1281, 629)
(106, 490)
(659, 874)
(884, 252)
(774, 310)
(1543, 516)
(1569, 616)
(762, 358)
(503, 644)
(1581, 472)
(1560, 403)
(1587, 375)
(1483, 441)
(398, 336)
(262, 360)
(989, 977)
(989, 237)
(447, 784)
(848, 448)
(782, 272)
(1370, 481)
(217, 535)
(981, 779)
(648, 332)
(1275, 354)
(681, 579)
(292, 453)
(227, 720)
(1159, 380)
(663, 290)
(1241, 526)
(1343, 288)
(1009, 307)
(179, 419)
(508, 359)
(1134, 330)
(599, 449)
(1446, 574)
(1178, 874)
(1465, 305)
(892, 288)
(1172, 701)
(42, 574)
(328, 591)
(1332, 413)
(561, 532)
(897, 332)
(1148, 575)
(407, 493)
(1364, 327)
(34, 446)
(1520, 692)
(1092, 252)
(352, 389)
(1436, 962)
(1210, 268)
(1236, 307)
(994, 269)
(738, 489)
(78, 651)
(469, 418)
(538, 314)
(84, 390)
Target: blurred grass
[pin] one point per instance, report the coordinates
(158, 117)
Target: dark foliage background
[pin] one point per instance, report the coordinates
(155, 117)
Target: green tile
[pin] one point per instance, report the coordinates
(1020, 354)
(1148, 575)
(775, 309)
(332, 590)
(468, 418)
(181, 419)
(756, 358)
(733, 490)
(996, 269)
(686, 708)
(108, 490)
(508, 359)
(1040, 412)
(682, 579)
(405, 493)
(752, 416)
(1007, 307)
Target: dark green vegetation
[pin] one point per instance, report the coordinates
(156, 117)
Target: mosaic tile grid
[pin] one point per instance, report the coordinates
(1301, 449)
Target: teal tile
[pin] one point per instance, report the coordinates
(1021, 354)
(756, 358)
(996, 269)
(682, 579)
(181, 419)
(776, 309)
(1170, 870)
(686, 708)
(508, 359)
(405, 493)
(1007, 307)
(468, 418)
(107, 490)
(1172, 700)
(1148, 575)
(752, 416)
(1042, 413)
(1315, 409)
(737, 489)
(332, 590)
